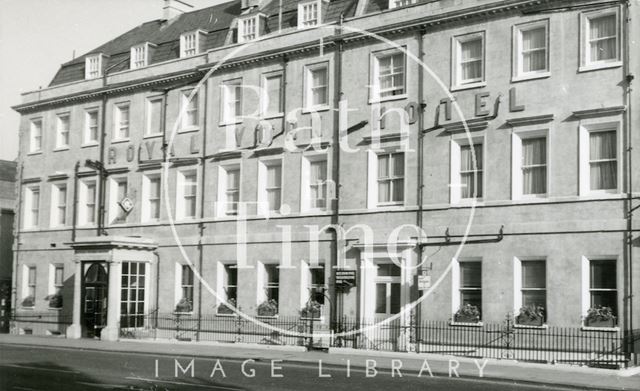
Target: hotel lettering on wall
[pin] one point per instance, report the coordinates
(147, 150)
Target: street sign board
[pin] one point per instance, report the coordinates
(424, 282)
(345, 277)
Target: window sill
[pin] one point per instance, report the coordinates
(60, 149)
(531, 197)
(226, 315)
(229, 123)
(390, 205)
(531, 76)
(606, 329)
(267, 316)
(602, 194)
(469, 86)
(598, 66)
(183, 313)
(266, 116)
(319, 320)
(28, 308)
(315, 109)
(388, 98)
(189, 129)
(524, 326)
(35, 153)
(91, 144)
(466, 324)
(120, 140)
(468, 202)
(55, 309)
(155, 135)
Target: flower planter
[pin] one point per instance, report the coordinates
(600, 323)
(224, 310)
(315, 314)
(526, 321)
(461, 318)
(28, 301)
(55, 302)
(267, 312)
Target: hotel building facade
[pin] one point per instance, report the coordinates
(490, 142)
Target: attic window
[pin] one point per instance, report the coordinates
(400, 3)
(309, 14)
(93, 66)
(248, 28)
(190, 44)
(140, 56)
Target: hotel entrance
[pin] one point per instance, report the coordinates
(94, 299)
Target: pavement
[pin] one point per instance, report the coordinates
(367, 362)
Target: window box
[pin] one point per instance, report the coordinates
(223, 309)
(313, 310)
(610, 323)
(600, 316)
(55, 301)
(183, 306)
(467, 314)
(28, 301)
(268, 308)
(531, 315)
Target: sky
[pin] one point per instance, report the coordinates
(36, 36)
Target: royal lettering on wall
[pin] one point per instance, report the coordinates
(148, 150)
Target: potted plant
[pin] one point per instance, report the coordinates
(313, 309)
(55, 300)
(226, 309)
(184, 305)
(600, 316)
(531, 315)
(268, 308)
(29, 301)
(467, 314)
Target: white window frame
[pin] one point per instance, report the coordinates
(114, 203)
(32, 214)
(26, 285)
(585, 48)
(149, 115)
(456, 67)
(305, 184)
(455, 187)
(517, 191)
(56, 204)
(63, 134)
(191, 37)
(178, 287)
(143, 50)
(400, 3)
(93, 66)
(264, 99)
(517, 283)
(225, 116)
(87, 137)
(372, 191)
(304, 23)
(306, 281)
(83, 218)
(246, 36)
(308, 87)
(518, 72)
(263, 198)
(53, 287)
(145, 213)
(221, 279)
(36, 135)
(222, 209)
(263, 284)
(374, 84)
(180, 204)
(119, 126)
(584, 157)
(586, 282)
(185, 109)
(456, 287)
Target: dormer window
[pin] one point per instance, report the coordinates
(250, 28)
(190, 43)
(93, 66)
(140, 55)
(309, 14)
(400, 3)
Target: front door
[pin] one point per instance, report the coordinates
(387, 304)
(94, 302)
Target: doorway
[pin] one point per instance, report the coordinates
(94, 299)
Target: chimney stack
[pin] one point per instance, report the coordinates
(173, 8)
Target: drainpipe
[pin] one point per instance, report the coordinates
(628, 236)
(74, 223)
(16, 228)
(420, 189)
(335, 216)
(201, 226)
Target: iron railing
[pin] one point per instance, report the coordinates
(52, 322)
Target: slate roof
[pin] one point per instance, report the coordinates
(8, 170)
(216, 21)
